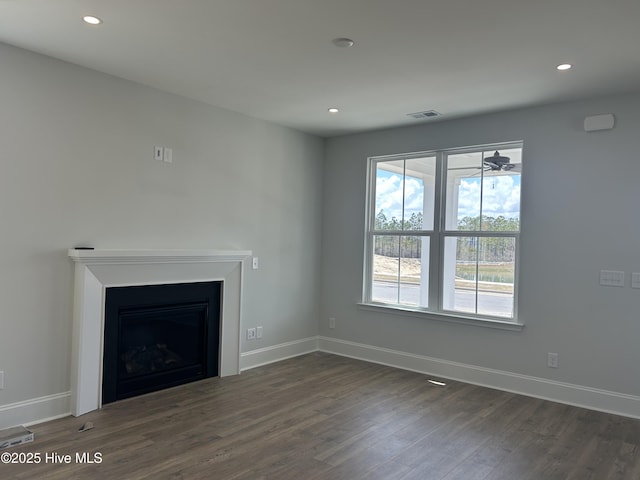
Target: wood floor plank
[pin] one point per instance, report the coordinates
(325, 417)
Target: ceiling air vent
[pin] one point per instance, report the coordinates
(427, 114)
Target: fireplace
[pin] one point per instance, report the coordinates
(97, 270)
(159, 336)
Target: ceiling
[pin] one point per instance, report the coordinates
(275, 60)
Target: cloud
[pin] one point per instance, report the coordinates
(389, 196)
(501, 196)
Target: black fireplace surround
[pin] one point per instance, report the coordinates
(159, 336)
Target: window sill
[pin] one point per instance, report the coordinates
(443, 317)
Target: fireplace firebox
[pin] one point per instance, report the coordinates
(159, 336)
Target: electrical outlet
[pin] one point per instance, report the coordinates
(251, 333)
(332, 322)
(1, 380)
(258, 332)
(552, 360)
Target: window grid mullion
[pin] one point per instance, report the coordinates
(477, 242)
(436, 257)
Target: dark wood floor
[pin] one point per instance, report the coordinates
(322, 416)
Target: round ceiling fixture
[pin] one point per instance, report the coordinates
(343, 42)
(333, 110)
(564, 66)
(91, 20)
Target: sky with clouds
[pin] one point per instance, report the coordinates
(501, 196)
(389, 195)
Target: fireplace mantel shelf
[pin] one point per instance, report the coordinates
(106, 256)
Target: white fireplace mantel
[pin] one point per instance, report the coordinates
(98, 269)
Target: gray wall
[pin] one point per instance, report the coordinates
(77, 167)
(580, 200)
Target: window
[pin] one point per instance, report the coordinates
(443, 231)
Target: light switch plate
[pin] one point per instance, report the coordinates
(635, 280)
(612, 278)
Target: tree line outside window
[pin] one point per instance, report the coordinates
(491, 249)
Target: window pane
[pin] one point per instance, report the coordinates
(501, 195)
(481, 186)
(459, 275)
(463, 200)
(479, 275)
(405, 192)
(414, 271)
(419, 193)
(389, 195)
(386, 269)
(496, 273)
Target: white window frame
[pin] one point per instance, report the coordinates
(437, 236)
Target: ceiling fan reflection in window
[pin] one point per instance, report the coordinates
(499, 163)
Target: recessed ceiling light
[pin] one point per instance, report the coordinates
(343, 42)
(91, 20)
(333, 110)
(564, 66)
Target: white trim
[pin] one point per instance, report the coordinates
(439, 273)
(443, 316)
(276, 353)
(567, 393)
(35, 410)
(105, 256)
(38, 410)
(98, 269)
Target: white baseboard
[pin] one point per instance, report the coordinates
(571, 394)
(35, 410)
(38, 410)
(275, 353)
